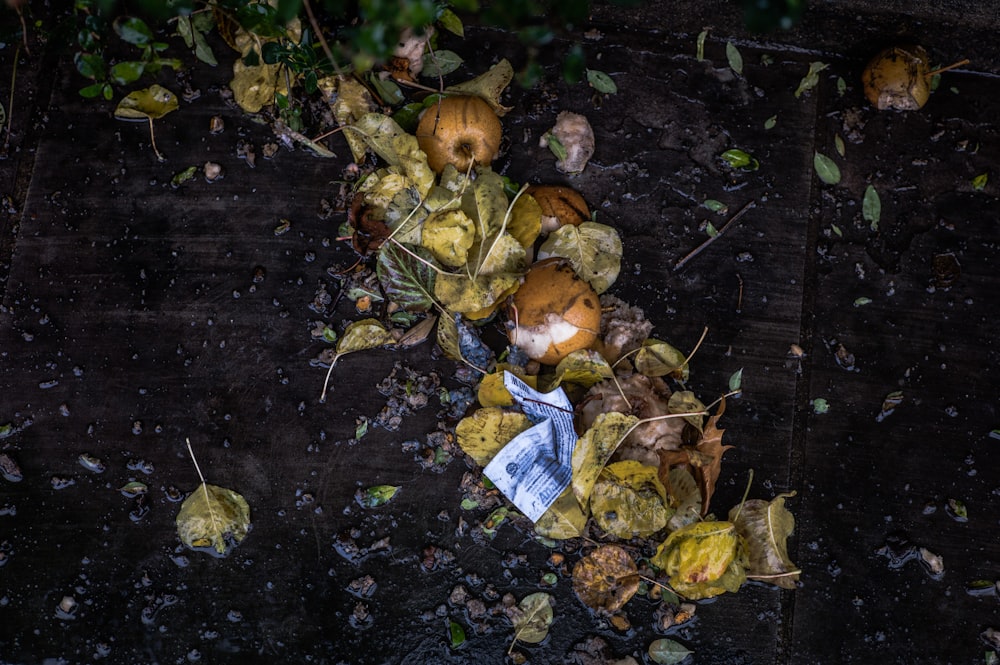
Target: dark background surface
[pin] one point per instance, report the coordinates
(131, 321)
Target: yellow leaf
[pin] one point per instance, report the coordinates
(362, 335)
(213, 519)
(564, 519)
(485, 432)
(628, 500)
(583, 367)
(657, 358)
(489, 86)
(448, 235)
(493, 392)
(486, 203)
(594, 250)
(459, 293)
(594, 449)
(349, 100)
(525, 222)
(703, 559)
(152, 102)
(497, 255)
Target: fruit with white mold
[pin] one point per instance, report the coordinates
(554, 312)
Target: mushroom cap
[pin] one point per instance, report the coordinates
(897, 78)
(459, 130)
(556, 312)
(560, 206)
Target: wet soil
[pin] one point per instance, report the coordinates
(136, 315)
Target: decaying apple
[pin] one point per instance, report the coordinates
(560, 206)
(554, 312)
(898, 78)
(459, 130)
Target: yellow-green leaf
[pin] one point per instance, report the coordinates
(489, 86)
(362, 335)
(525, 221)
(584, 367)
(811, 79)
(459, 293)
(486, 431)
(152, 102)
(486, 203)
(656, 358)
(375, 496)
(685, 401)
(448, 235)
(213, 519)
(351, 100)
(594, 250)
(629, 501)
(564, 519)
(594, 449)
(703, 559)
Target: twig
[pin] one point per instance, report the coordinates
(152, 140)
(321, 38)
(739, 298)
(700, 248)
(10, 104)
(941, 70)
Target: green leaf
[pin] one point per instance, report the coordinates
(133, 30)
(601, 82)
(841, 86)
(532, 623)
(456, 634)
(811, 79)
(440, 63)
(740, 159)
(127, 72)
(92, 90)
(771, 122)
(668, 652)
(715, 206)
(700, 49)
(185, 30)
(203, 51)
(378, 495)
(183, 176)
(838, 143)
(408, 279)
(214, 520)
(734, 58)
(736, 381)
(979, 182)
(90, 65)
(710, 230)
(450, 21)
(826, 169)
(556, 146)
(862, 301)
(820, 406)
(871, 207)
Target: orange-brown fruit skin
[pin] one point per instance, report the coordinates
(897, 78)
(459, 130)
(551, 285)
(560, 206)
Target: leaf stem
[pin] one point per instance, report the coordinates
(698, 250)
(696, 347)
(743, 501)
(152, 139)
(196, 467)
(326, 382)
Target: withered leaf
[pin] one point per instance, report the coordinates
(533, 618)
(711, 446)
(213, 519)
(606, 579)
(766, 526)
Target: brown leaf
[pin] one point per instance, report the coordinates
(606, 579)
(711, 446)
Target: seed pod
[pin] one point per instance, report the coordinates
(898, 78)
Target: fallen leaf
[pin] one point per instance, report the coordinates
(152, 103)
(594, 448)
(214, 520)
(448, 234)
(656, 358)
(629, 501)
(811, 79)
(871, 207)
(407, 276)
(349, 100)
(601, 82)
(668, 652)
(826, 168)
(489, 86)
(703, 559)
(734, 58)
(564, 519)
(766, 526)
(583, 367)
(710, 445)
(485, 432)
(375, 496)
(594, 250)
(606, 579)
(685, 401)
(533, 618)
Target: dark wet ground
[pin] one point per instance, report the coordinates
(136, 315)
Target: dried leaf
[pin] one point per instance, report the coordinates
(685, 496)
(584, 367)
(363, 335)
(629, 501)
(703, 559)
(150, 103)
(486, 431)
(656, 358)
(594, 250)
(826, 168)
(349, 100)
(489, 86)
(685, 401)
(594, 449)
(407, 277)
(531, 623)
(606, 579)
(564, 518)
(214, 520)
(766, 526)
(710, 445)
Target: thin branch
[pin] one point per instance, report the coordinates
(941, 70)
(10, 104)
(322, 40)
(700, 248)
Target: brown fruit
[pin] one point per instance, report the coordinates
(459, 130)
(898, 78)
(560, 206)
(554, 312)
